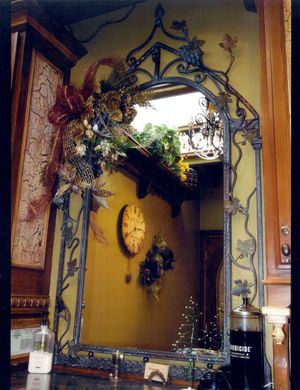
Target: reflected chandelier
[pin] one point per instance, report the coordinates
(203, 136)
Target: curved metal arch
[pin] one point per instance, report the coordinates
(189, 58)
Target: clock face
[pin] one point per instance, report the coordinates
(133, 229)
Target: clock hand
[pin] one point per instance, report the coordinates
(131, 231)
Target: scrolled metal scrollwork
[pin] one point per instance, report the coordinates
(70, 242)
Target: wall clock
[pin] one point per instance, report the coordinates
(133, 229)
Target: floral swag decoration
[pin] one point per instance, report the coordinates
(158, 260)
(92, 134)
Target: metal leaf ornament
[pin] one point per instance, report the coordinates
(246, 248)
(68, 232)
(60, 304)
(224, 98)
(228, 43)
(242, 289)
(231, 206)
(72, 267)
(249, 135)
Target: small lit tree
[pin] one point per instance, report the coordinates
(191, 338)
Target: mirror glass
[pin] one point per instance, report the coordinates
(119, 310)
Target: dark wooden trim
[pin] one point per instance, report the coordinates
(16, 84)
(29, 11)
(30, 320)
(275, 129)
(22, 302)
(19, 359)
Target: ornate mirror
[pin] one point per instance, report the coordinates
(115, 287)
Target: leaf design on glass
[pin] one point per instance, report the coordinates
(72, 267)
(228, 43)
(243, 288)
(246, 248)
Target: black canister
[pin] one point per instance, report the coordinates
(246, 347)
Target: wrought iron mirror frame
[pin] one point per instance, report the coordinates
(188, 61)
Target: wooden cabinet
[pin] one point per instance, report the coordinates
(275, 127)
(42, 54)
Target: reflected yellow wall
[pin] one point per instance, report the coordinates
(211, 209)
(125, 314)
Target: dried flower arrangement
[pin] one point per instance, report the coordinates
(92, 135)
(91, 132)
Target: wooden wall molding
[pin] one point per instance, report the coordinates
(22, 322)
(22, 20)
(29, 304)
(280, 281)
(28, 12)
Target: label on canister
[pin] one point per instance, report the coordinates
(246, 360)
(40, 362)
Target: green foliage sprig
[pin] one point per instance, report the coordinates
(163, 142)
